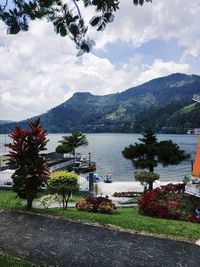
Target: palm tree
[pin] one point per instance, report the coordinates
(71, 142)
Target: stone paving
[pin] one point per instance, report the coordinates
(50, 240)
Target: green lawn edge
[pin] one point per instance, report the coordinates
(125, 218)
(7, 260)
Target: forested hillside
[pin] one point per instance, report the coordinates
(164, 104)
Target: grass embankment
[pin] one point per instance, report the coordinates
(127, 218)
(9, 261)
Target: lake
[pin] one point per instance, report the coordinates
(105, 149)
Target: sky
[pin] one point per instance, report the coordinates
(39, 69)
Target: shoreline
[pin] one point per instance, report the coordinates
(110, 188)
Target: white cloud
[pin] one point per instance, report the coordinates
(39, 70)
(163, 19)
(160, 68)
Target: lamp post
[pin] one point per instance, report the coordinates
(89, 160)
(91, 181)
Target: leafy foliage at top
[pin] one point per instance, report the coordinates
(64, 15)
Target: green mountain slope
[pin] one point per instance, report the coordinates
(159, 103)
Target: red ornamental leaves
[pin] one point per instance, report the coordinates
(168, 202)
(25, 157)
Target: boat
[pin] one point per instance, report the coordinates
(108, 178)
(84, 167)
(84, 164)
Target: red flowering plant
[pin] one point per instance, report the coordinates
(26, 157)
(168, 202)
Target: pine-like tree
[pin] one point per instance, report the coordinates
(149, 153)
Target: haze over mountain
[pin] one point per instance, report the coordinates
(163, 103)
(5, 121)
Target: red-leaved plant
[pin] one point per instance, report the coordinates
(169, 202)
(28, 161)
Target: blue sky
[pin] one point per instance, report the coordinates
(157, 48)
(40, 69)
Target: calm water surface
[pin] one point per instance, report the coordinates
(106, 150)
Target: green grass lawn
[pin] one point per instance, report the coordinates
(9, 261)
(8, 199)
(127, 218)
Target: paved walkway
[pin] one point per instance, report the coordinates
(43, 239)
(110, 188)
(120, 202)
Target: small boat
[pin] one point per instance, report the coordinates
(84, 166)
(108, 178)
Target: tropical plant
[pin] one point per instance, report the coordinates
(146, 178)
(71, 142)
(149, 153)
(64, 184)
(65, 16)
(25, 157)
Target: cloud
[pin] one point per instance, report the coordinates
(39, 69)
(165, 19)
(160, 68)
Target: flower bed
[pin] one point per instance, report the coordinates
(96, 204)
(169, 202)
(127, 194)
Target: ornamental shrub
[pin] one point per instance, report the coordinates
(47, 200)
(146, 178)
(27, 158)
(64, 184)
(168, 202)
(96, 204)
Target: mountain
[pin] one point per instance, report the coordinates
(4, 122)
(164, 103)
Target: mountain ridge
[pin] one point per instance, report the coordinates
(153, 104)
